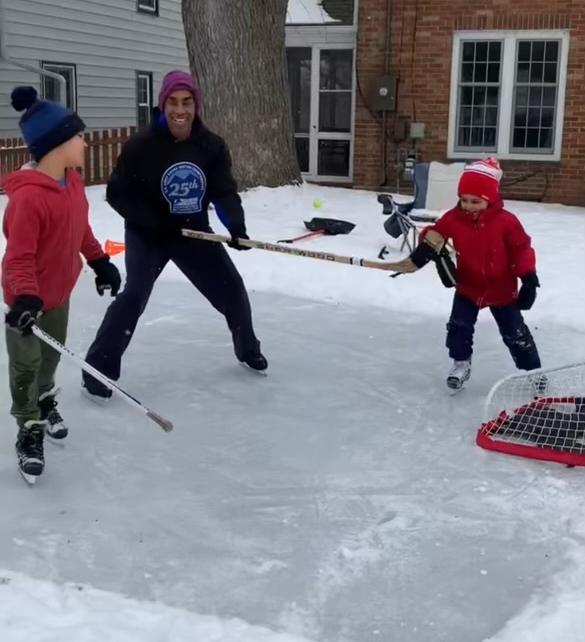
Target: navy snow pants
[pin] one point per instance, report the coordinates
(514, 331)
(209, 268)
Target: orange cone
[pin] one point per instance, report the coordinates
(114, 247)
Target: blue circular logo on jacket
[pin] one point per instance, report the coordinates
(183, 185)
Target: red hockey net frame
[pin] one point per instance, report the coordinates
(512, 432)
(538, 415)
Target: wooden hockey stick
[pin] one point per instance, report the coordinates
(165, 424)
(402, 266)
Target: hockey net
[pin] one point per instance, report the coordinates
(540, 415)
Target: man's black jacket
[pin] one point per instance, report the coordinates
(161, 184)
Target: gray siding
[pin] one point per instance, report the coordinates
(107, 40)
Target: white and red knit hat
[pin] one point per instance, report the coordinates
(482, 178)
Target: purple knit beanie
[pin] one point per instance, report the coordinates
(175, 81)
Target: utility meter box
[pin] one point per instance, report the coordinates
(382, 93)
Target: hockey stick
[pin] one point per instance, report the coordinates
(165, 424)
(284, 249)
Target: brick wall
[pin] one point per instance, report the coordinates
(420, 44)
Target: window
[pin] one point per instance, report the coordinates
(479, 93)
(335, 90)
(536, 87)
(335, 111)
(333, 158)
(147, 6)
(299, 78)
(51, 87)
(143, 98)
(507, 94)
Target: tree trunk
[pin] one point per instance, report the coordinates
(237, 53)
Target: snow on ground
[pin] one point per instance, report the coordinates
(35, 610)
(555, 613)
(304, 12)
(342, 498)
(279, 213)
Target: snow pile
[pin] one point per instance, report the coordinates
(307, 12)
(555, 613)
(35, 610)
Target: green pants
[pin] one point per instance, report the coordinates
(32, 364)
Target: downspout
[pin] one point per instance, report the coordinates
(387, 40)
(4, 56)
(387, 53)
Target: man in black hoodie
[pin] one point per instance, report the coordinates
(164, 180)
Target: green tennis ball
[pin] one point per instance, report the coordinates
(318, 203)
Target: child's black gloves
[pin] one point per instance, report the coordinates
(107, 276)
(23, 313)
(527, 293)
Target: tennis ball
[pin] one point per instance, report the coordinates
(318, 203)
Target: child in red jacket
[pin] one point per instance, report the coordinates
(46, 227)
(493, 252)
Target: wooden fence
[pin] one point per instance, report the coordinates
(100, 158)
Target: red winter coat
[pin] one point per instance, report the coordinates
(46, 228)
(492, 253)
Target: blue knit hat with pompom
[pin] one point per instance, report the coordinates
(45, 124)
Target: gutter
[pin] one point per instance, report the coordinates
(5, 56)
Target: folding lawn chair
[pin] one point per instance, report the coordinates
(401, 223)
(435, 188)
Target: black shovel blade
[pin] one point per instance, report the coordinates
(329, 226)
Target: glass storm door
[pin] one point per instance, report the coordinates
(321, 81)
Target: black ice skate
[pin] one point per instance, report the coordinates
(29, 450)
(256, 362)
(55, 426)
(95, 390)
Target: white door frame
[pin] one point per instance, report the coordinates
(317, 39)
(314, 134)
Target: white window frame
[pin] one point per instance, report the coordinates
(148, 76)
(506, 101)
(58, 67)
(143, 6)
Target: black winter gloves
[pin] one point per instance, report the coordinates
(422, 254)
(238, 232)
(527, 293)
(446, 268)
(107, 276)
(23, 313)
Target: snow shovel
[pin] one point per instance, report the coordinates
(323, 226)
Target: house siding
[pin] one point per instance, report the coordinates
(107, 41)
(421, 39)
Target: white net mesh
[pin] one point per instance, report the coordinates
(542, 410)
